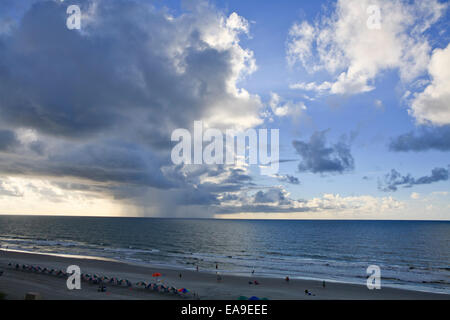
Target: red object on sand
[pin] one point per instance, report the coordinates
(156, 274)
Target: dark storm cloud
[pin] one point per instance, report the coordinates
(62, 82)
(123, 67)
(320, 157)
(38, 147)
(103, 101)
(107, 162)
(197, 196)
(423, 139)
(272, 195)
(395, 179)
(287, 178)
(8, 140)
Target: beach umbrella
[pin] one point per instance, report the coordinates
(156, 274)
(253, 298)
(183, 290)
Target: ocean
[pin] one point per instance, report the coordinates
(411, 254)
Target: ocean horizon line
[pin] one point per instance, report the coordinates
(217, 219)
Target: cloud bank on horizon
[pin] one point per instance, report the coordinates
(87, 115)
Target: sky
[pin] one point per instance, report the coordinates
(359, 91)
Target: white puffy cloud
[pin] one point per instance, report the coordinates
(378, 104)
(415, 195)
(432, 106)
(282, 108)
(355, 54)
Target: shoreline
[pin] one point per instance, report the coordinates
(16, 283)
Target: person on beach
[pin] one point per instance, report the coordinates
(287, 279)
(180, 275)
(101, 288)
(217, 266)
(323, 284)
(308, 293)
(196, 267)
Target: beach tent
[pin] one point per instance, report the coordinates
(183, 290)
(156, 274)
(123, 281)
(253, 298)
(113, 280)
(242, 298)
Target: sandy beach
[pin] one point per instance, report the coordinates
(16, 283)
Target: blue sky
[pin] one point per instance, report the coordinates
(357, 113)
(352, 94)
